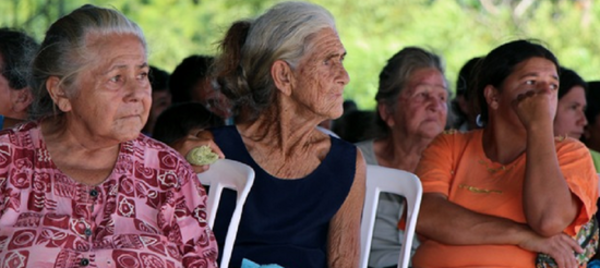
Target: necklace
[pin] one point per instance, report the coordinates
(495, 170)
(478, 190)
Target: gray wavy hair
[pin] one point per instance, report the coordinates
(64, 51)
(250, 48)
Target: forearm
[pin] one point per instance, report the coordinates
(343, 246)
(548, 204)
(449, 223)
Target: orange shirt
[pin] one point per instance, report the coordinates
(455, 165)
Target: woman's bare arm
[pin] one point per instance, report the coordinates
(343, 249)
(449, 223)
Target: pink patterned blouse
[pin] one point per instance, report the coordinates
(150, 212)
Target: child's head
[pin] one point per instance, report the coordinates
(181, 119)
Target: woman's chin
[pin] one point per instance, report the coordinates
(127, 133)
(575, 135)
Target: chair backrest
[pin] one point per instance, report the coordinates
(382, 179)
(234, 175)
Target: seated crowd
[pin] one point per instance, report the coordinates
(92, 151)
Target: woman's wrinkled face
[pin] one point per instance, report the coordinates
(320, 76)
(570, 115)
(422, 106)
(113, 96)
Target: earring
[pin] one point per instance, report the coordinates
(478, 120)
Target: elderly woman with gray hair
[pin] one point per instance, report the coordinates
(80, 185)
(284, 74)
(412, 109)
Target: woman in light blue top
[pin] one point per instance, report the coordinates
(412, 106)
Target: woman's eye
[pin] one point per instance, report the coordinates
(529, 82)
(554, 86)
(115, 79)
(143, 75)
(422, 95)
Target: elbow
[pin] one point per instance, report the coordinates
(548, 227)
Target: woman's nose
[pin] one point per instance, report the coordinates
(344, 77)
(582, 119)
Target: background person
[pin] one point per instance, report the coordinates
(465, 116)
(183, 119)
(570, 113)
(412, 103)
(192, 81)
(161, 97)
(17, 49)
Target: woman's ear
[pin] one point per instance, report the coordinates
(282, 76)
(386, 114)
(491, 95)
(21, 99)
(57, 93)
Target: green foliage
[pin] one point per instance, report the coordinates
(372, 31)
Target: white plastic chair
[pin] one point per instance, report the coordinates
(234, 175)
(382, 179)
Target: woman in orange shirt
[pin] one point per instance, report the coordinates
(496, 197)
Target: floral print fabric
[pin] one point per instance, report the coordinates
(150, 212)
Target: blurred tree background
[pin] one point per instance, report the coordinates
(372, 31)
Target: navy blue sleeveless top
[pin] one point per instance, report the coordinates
(285, 222)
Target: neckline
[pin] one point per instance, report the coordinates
(492, 166)
(44, 150)
(253, 163)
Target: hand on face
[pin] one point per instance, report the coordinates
(535, 106)
(528, 94)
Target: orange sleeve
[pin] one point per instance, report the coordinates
(436, 165)
(578, 169)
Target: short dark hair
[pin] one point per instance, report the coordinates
(17, 50)
(159, 79)
(500, 63)
(358, 125)
(464, 83)
(466, 76)
(176, 121)
(187, 74)
(593, 102)
(568, 79)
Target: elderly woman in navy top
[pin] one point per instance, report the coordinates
(284, 74)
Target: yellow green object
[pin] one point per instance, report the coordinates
(202, 155)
